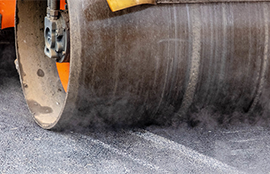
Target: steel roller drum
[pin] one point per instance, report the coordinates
(148, 64)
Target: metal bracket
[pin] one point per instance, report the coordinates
(56, 35)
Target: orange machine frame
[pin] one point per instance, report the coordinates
(7, 10)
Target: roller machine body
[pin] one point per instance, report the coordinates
(98, 62)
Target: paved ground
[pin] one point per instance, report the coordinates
(26, 148)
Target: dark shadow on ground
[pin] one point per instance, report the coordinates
(7, 55)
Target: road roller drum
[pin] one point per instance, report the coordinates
(157, 63)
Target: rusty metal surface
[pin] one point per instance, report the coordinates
(151, 64)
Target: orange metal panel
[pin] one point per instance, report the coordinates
(7, 10)
(63, 72)
(62, 4)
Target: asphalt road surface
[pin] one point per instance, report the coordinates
(26, 148)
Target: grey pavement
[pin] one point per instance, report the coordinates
(26, 148)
